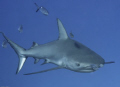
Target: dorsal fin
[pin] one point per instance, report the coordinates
(34, 44)
(62, 32)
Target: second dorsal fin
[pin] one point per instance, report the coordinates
(34, 44)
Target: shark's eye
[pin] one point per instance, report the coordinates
(78, 64)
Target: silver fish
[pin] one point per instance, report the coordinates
(4, 44)
(63, 52)
(42, 9)
(20, 29)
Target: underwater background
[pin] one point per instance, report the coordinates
(95, 23)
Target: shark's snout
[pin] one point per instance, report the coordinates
(87, 68)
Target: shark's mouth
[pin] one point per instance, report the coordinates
(90, 68)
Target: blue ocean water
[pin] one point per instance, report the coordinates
(95, 23)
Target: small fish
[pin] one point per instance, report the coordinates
(71, 35)
(4, 44)
(20, 29)
(44, 11)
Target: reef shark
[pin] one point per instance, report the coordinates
(63, 52)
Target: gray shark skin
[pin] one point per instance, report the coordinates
(64, 52)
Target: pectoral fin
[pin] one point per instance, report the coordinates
(44, 70)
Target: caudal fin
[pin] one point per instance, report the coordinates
(20, 52)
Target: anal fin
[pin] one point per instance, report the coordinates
(36, 60)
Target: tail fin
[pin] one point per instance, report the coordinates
(20, 52)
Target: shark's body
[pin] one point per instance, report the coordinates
(64, 52)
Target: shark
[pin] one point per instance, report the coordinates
(64, 52)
